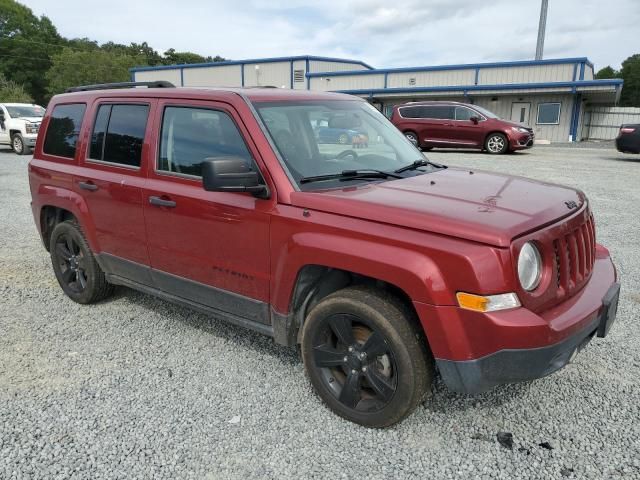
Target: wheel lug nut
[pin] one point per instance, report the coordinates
(354, 371)
(351, 349)
(364, 369)
(344, 359)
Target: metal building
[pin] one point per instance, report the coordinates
(553, 96)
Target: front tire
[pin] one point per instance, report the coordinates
(75, 266)
(17, 144)
(365, 357)
(413, 138)
(496, 144)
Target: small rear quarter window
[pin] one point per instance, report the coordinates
(63, 130)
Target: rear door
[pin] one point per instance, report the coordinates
(110, 179)
(211, 248)
(435, 124)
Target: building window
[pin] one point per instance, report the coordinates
(298, 76)
(63, 130)
(548, 114)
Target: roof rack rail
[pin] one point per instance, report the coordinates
(109, 86)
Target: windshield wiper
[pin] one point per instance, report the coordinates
(418, 164)
(351, 175)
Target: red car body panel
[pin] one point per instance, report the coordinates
(430, 236)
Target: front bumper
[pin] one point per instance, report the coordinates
(521, 141)
(478, 351)
(30, 140)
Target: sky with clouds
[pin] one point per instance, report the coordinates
(383, 33)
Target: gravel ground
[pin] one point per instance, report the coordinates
(139, 388)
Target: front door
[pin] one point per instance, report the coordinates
(520, 112)
(468, 132)
(211, 248)
(4, 131)
(110, 178)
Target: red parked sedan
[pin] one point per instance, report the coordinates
(459, 125)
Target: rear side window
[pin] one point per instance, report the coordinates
(438, 112)
(192, 135)
(63, 130)
(118, 134)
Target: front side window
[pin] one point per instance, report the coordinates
(332, 136)
(548, 114)
(192, 135)
(63, 130)
(464, 113)
(118, 134)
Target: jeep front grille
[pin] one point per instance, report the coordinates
(575, 256)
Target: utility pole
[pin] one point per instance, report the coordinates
(541, 28)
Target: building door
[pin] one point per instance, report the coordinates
(520, 112)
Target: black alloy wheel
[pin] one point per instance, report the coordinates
(356, 363)
(366, 355)
(75, 266)
(72, 263)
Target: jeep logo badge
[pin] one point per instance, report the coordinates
(571, 205)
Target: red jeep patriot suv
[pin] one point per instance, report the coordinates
(381, 265)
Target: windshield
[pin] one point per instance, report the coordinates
(17, 111)
(485, 112)
(331, 136)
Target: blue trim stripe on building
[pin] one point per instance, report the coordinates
(582, 71)
(253, 60)
(462, 88)
(575, 116)
(468, 66)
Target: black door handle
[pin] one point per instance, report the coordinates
(161, 202)
(92, 187)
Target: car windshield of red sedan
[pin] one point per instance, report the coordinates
(317, 138)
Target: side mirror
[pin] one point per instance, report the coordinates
(475, 120)
(231, 174)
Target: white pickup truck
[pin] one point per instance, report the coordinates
(19, 125)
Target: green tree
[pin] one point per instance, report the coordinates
(607, 72)
(74, 67)
(10, 91)
(171, 57)
(150, 56)
(26, 45)
(630, 73)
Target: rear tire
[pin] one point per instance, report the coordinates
(17, 144)
(496, 144)
(365, 356)
(75, 266)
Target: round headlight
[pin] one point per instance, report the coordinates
(529, 266)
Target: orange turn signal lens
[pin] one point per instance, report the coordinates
(488, 303)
